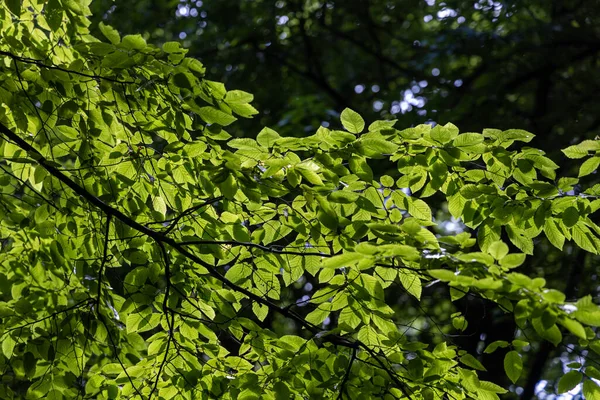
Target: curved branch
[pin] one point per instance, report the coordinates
(160, 238)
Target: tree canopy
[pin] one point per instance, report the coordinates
(147, 252)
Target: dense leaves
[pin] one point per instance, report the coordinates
(148, 254)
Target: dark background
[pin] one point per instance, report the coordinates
(528, 64)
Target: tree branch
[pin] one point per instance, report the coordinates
(41, 64)
(160, 238)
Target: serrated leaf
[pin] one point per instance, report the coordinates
(310, 176)
(352, 121)
(518, 134)
(371, 147)
(487, 387)
(584, 238)
(513, 365)
(419, 209)
(267, 137)
(590, 165)
(467, 139)
(554, 234)
(575, 152)
(238, 273)
(519, 239)
(212, 115)
(441, 134)
(238, 96)
(472, 362)
(411, 282)
(172, 47)
(317, 316)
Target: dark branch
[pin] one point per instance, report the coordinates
(41, 64)
(160, 238)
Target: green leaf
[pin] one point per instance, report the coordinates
(588, 316)
(54, 14)
(471, 191)
(343, 196)
(498, 250)
(133, 42)
(352, 121)
(513, 365)
(14, 6)
(127, 170)
(238, 273)
(212, 115)
(310, 176)
(419, 209)
(8, 346)
(590, 165)
(443, 274)
(159, 205)
(346, 259)
(282, 392)
(110, 33)
(495, 345)
(570, 217)
(172, 47)
(260, 310)
(591, 391)
(442, 134)
(518, 134)
(183, 80)
(239, 96)
(554, 234)
(359, 166)
(519, 239)
(317, 316)
(584, 238)
(551, 334)
(575, 152)
(411, 282)
(328, 220)
(267, 137)
(229, 187)
(486, 387)
(513, 260)
(376, 148)
(519, 344)
(467, 139)
(569, 380)
(472, 362)
(574, 327)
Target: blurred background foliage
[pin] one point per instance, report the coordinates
(529, 64)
